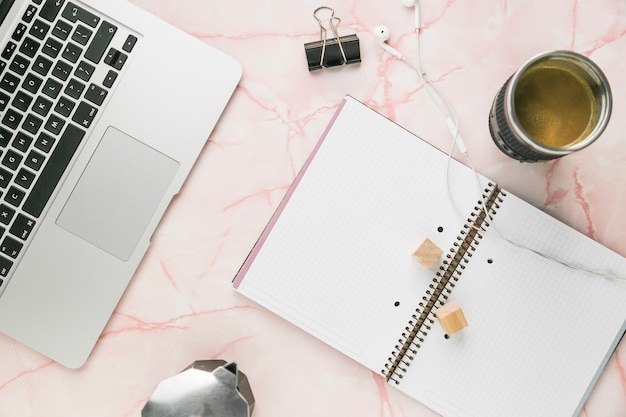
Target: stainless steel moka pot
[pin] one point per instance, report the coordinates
(210, 388)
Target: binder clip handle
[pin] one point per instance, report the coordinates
(334, 51)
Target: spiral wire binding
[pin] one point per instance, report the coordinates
(482, 217)
(441, 287)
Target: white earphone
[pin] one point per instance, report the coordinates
(382, 35)
(414, 3)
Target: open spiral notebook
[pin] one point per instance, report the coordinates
(336, 261)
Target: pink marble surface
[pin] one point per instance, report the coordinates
(180, 306)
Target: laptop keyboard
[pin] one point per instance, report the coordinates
(57, 70)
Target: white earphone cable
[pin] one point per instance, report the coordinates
(451, 120)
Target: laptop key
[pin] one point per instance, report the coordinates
(14, 196)
(39, 29)
(7, 53)
(84, 70)
(72, 52)
(51, 9)
(6, 214)
(22, 101)
(82, 35)
(32, 83)
(22, 227)
(131, 40)
(11, 247)
(52, 88)
(62, 30)
(42, 65)
(29, 14)
(34, 160)
(19, 65)
(44, 142)
(29, 47)
(19, 31)
(53, 170)
(42, 106)
(24, 178)
(100, 42)
(62, 70)
(22, 142)
(74, 88)
(109, 79)
(96, 94)
(12, 119)
(52, 47)
(12, 159)
(5, 266)
(5, 179)
(84, 115)
(54, 124)
(5, 137)
(9, 82)
(75, 13)
(32, 124)
(115, 58)
(65, 106)
(4, 100)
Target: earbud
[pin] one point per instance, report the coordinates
(416, 3)
(382, 34)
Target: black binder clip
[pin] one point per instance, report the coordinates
(333, 52)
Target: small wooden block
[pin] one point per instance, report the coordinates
(451, 318)
(428, 254)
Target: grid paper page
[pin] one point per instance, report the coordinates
(538, 331)
(338, 259)
(335, 260)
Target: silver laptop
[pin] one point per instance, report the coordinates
(103, 111)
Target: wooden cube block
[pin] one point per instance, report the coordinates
(428, 254)
(451, 318)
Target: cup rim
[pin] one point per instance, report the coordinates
(592, 70)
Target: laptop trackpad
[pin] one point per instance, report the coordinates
(117, 194)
